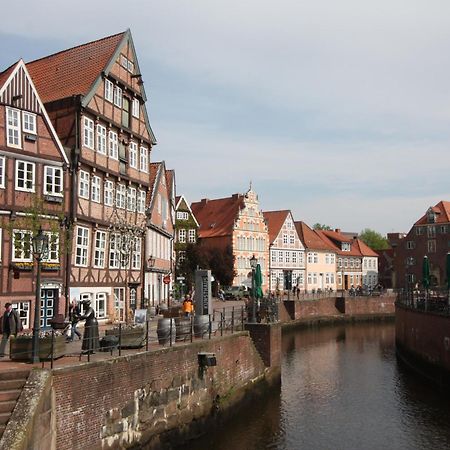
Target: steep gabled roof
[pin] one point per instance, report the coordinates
(73, 71)
(216, 217)
(153, 176)
(311, 239)
(336, 236)
(178, 200)
(442, 210)
(275, 220)
(364, 249)
(6, 73)
(170, 180)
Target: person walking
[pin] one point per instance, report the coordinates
(10, 324)
(74, 317)
(187, 306)
(90, 336)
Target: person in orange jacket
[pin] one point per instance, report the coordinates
(188, 306)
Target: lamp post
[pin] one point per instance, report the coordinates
(253, 263)
(40, 249)
(150, 264)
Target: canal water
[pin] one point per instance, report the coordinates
(342, 388)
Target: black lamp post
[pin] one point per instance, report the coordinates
(253, 263)
(40, 250)
(150, 264)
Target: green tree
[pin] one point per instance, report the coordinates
(321, 226)
(373, 239)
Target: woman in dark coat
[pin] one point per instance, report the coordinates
(90, 335)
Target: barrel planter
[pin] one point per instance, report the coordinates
(183, 329)
(201, 325)
(129, 337)
(163, 330)
(21, 348)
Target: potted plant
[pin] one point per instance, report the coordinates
(21, 347)
(129, 335)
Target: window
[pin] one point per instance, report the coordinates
(25, 172)
(345, 246)
(109, 89)
(181, 256)
(88, 133)
(101, 139)
(13, 128)
(316, 258)
(285, 238)
(132, 155)
(419, 230)
(431, 246)
(23, 310)
(131, 199)
(410, 245)
(2, 171)
(191, 236)
(82, 242)
(53, 247)
(135, 108)
(294, 257)
(287, 257)
(100, 305)
(109, 193)
(182, 236)
(113, 145)
(114, 255)
(126, 112)
(141, 202)
(280, 256)
(291, 239)
(95, 189)
(182, 215)
(443, 229)
(136, 255)
(120, 196)
(126, 64)
(118, 96)
(53, 184)
(144, 160)
(327, 258)
(431, 231)
(310, 257)
(83, 185)
(100, 247)
(29, 122)
(22, 247)
(410, 261)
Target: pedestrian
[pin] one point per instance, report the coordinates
(10, 324)
(90, 336)
(187, 306)
(74, 317)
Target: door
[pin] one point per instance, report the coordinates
(288, 280)
(119, 303)
(48, 305)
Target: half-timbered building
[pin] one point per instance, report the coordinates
(33, 194)
(95, 97)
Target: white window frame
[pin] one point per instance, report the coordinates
(133, 155)
(53, 247)
(26, 169)
(29, 124)
(101, 139)
(82, 246)
(182, 235)
(114, 251)
(192, 235)
(13, 128)
(136, 254)
(20, 308)
(2, 171)
(99, 249)
(113, 145)
(101, 297)
(96, 189)
(118, 95)
(108, 193)
(88, 132)
(135, 108)
(83, 184)
(121, 193)
(53, 188)
(131, 199)
(143, 159)
(25, 255)
(109, 90)
(141, 202)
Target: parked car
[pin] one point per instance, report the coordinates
(235, 293)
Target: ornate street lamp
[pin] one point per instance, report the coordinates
(253, 264)
(151, 262)
(40, 251)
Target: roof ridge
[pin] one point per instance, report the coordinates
(77, 46)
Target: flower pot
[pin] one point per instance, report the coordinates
(21, 348)
(129, 338)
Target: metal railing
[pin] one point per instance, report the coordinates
(431, 300)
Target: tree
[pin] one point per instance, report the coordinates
(321, 226)
(373, 239)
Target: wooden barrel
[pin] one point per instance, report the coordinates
(163, 330)
(183, 327)
(201, 325)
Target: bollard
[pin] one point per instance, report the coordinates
(52, 349)
(146, 336)
(170, 337)
(232, 320)
(120, 339)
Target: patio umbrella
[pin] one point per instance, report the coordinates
(426, 272)
(258, 282)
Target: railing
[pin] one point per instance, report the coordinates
(317, 295)
(432, 300)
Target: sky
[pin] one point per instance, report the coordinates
(336, 110)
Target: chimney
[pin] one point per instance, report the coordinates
(235, 196)
(204, 201)
(337, 230)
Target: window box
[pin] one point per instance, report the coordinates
(50, 267)
(133, 337)
(23, 266)
(22, 346)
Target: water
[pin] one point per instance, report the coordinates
(342, 388)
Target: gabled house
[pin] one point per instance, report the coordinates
(34, 182)
(95, 98)
(287, 253)
(320, 259)
(236, 223)
(369, 265)
(159, 250)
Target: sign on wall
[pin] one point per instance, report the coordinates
(203, 298)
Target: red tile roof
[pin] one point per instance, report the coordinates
(364, 249)
(73, 71)
(311, 239)
(216, 217)
(335, 238)
(275, 220)
(442, 210)
(154, 167)
(170, 176)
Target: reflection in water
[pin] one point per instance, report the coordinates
(342, 388)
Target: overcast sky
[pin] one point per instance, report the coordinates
(337, 110)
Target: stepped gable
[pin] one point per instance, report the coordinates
(275, 220)
(442, 210)
(72, 71)
(216, 217)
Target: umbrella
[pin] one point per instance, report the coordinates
(258, 282)
(447, 267)
(426, 272)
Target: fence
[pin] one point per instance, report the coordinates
(432, 300)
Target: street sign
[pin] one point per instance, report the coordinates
(180, 278)
(166, 279)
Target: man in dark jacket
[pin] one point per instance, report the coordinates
(10, 324)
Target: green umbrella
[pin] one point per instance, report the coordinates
(426, 272)
(258, 282)
(447, 267)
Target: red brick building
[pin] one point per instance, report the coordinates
(34, 183)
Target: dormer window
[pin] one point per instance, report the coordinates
(345, 247)
(431, 216)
